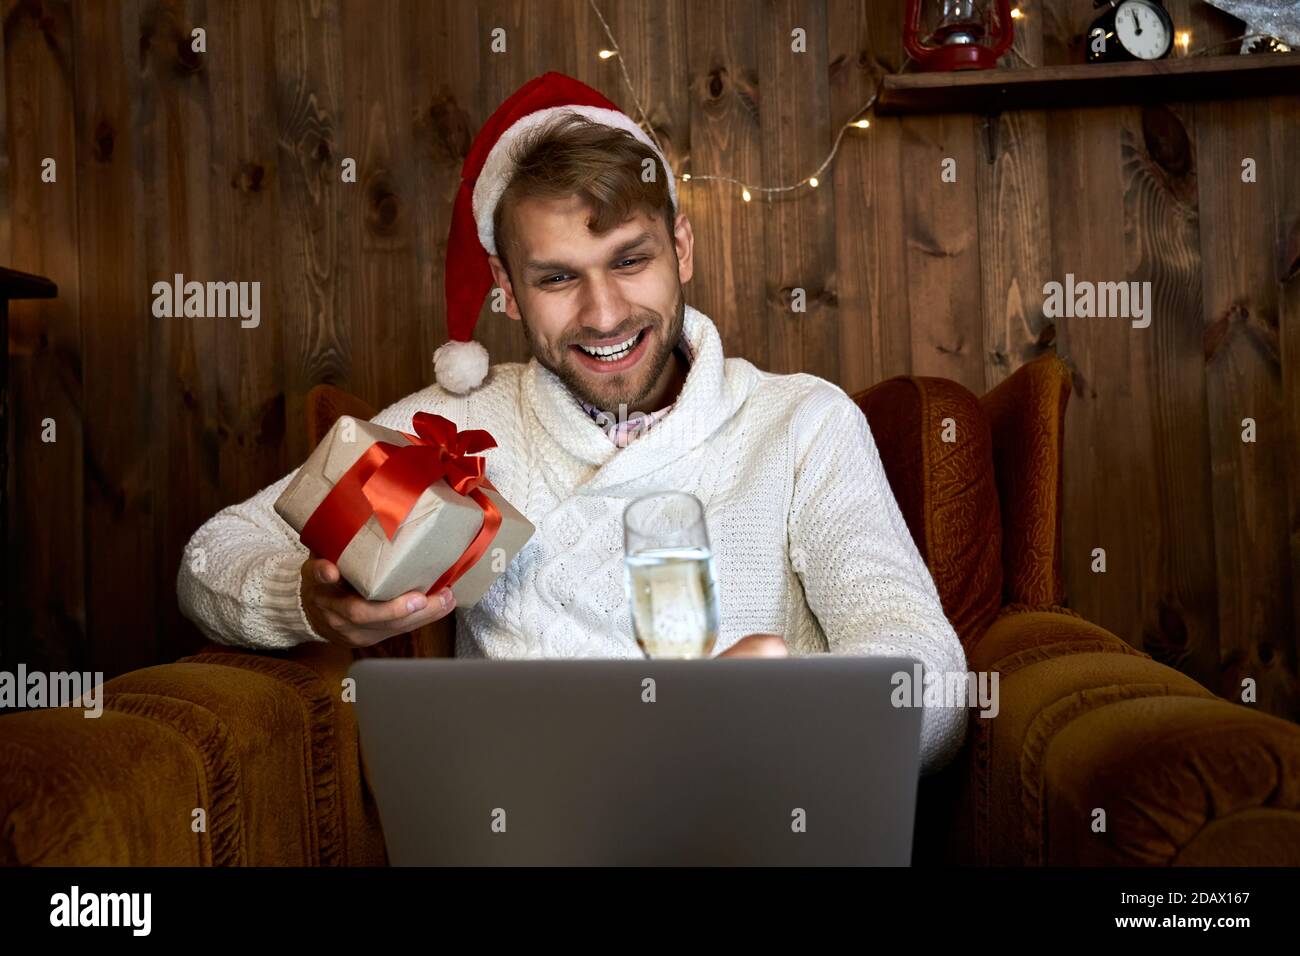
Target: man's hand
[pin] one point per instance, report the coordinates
(342, 616)
(758, 645)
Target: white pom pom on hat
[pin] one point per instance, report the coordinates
(461, 364)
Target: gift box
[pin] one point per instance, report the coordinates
(400, 511)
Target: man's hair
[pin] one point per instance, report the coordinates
(573, 156)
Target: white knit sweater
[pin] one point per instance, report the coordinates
(807, 538)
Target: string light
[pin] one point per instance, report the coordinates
(1016, 14)
(810, 180)
(605, 54)
(1205, 50)
(1184, 40)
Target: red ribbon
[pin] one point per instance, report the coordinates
(388, 479)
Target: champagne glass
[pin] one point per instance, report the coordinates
(668, 572)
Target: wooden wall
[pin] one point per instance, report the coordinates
(225, 165)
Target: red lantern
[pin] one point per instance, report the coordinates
(966, 37)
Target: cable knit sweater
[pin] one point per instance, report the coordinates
(807, 538)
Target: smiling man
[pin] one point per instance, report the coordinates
(570, 209)
(626, 377)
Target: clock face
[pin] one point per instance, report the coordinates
(1142, 29)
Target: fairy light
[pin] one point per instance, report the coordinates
(1016, 14)
(1244, 39)
(1185, 40)
(812, 180)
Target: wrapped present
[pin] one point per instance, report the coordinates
(402, 512)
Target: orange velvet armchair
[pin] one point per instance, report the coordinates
(262, 744)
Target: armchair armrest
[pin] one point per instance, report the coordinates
(116, 790)
(1086, 724)
(339, 822)
(260, 741)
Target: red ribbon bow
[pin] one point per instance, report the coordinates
(387, 480)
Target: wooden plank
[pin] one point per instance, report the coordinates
(800, 239)
(6, 435)
(1104, 493)
(1284, 134)
(1089, 84)
(1064, 26)
(1172, 526)
(941, 228)
(1244, 380)
(730, 235)
(870, 281)
(44, 613)
(1014, 228)
(6, 213)
(389, 359)
(177, 213)
(313, 280)
(890, 309)
(222, 383)
(1124, 181)
(1136, 423)
(653, 42)
(500, 73)
(249, 420)
(1214, 31)
(445, 116)
(118, 355)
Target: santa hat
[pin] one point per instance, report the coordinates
(461, 364)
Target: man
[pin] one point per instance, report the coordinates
(570, 209)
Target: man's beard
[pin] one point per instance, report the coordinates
(576, 381)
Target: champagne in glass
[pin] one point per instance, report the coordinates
(669, 575)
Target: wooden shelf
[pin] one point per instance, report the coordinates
(1090, 84)
(24, 285)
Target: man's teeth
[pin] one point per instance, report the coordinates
(611, 353)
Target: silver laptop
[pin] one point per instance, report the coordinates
(797, 761)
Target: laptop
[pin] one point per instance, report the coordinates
(745, 762)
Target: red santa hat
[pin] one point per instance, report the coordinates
(461, 364)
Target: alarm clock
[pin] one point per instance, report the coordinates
(1130, 30)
